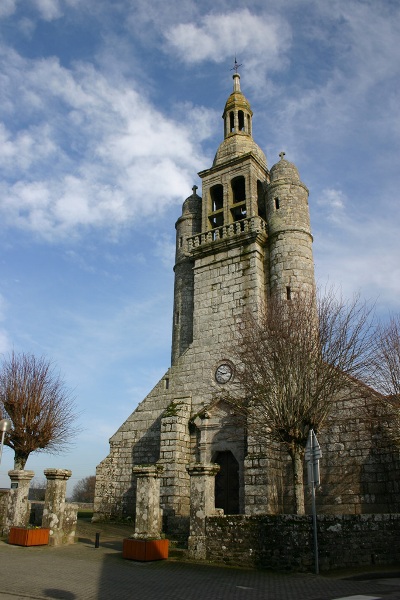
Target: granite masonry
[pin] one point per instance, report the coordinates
(246, 238)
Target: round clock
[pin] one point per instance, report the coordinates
(223, 373)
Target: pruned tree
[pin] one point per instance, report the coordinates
(295, 359)
(84, 489)
(42, 411)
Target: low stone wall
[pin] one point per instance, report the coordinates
(285, 542)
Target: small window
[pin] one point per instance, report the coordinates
(177, 317)
(180, 242)
(288, 293)
(166, 383)
(277, 204)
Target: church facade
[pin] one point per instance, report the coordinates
(244, 239)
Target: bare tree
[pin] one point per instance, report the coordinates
(387, 363)
(385, 376)
(294, 360)
(34, 397)
(84, 490)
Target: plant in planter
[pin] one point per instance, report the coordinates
(29, 536)
(145, 549)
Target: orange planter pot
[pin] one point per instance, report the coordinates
(145, 549)
(21, 536)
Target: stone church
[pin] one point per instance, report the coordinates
(246, 237)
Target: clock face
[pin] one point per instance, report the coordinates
(224, 373)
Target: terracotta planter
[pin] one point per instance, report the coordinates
(22, 536)
(145, 549)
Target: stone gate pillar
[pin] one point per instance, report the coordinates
(202, 505)
(55, 516)
(18, 505)
(148, 521)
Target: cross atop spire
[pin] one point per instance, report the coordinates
(282, 154)
(236, 66)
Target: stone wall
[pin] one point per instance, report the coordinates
(285, 542)
(3, 508)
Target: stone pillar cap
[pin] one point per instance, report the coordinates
(57, 473)
(20, 474)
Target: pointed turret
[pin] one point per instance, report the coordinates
(289, 232)
(187, 225)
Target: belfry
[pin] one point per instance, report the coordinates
(244, 239)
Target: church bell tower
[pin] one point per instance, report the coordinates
(245, 238)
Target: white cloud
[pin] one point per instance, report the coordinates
(98, 153)
(333, 201)
(49, 9)
(5, 343)
(354, 89)
(262, 40)
(7, 7)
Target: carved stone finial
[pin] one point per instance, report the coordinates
(194, 189)
(282, 154)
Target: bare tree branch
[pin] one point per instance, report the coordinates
(387, 365)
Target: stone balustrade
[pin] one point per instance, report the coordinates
(249, 225)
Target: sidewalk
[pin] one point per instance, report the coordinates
(84, 572)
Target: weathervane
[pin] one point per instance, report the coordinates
(236, 66)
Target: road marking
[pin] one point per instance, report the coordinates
(242, 587)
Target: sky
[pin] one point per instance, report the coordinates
(110, 108)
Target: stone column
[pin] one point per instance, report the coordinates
(202, 504)
(148, 521)
(18, 505)
(174, 456)
(54, 513)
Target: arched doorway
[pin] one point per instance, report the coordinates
(227, 483)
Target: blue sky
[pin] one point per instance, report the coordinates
(108, 109)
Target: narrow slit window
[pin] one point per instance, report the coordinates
(177, 317)
(288, 293)
(231, 121)
(166, 381)
(180, 242)
(277, 204)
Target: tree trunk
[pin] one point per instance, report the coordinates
(298, 481)
(20, 461)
